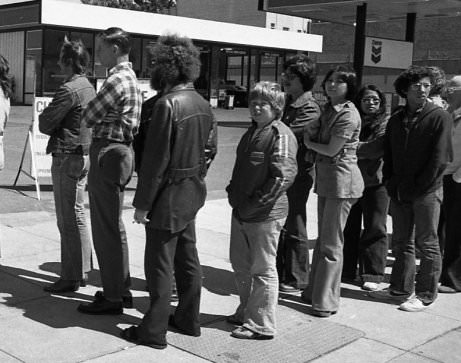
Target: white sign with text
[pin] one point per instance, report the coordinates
(41, 162)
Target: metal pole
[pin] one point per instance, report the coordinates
(411, 25)
(359, 44)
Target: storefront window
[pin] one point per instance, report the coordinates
(146, 58)
(52, 76)
(270, 67)
(136, 56)
(202, 84)
(33, 66)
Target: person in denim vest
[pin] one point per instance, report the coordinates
(338, 184)
(301, 109)
(264, 169)
(417, 150)
(69, 144)
(369, 248)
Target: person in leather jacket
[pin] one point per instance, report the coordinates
(181, 142)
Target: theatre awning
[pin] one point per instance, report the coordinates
(377, 10)
(74, 14)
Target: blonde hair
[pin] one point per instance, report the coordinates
(272, 92)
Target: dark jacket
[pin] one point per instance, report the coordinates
(62, 118)
(297, 114)
(414, 160)
(180, 144)
(140, 138)
(370, 150)
(264, 169)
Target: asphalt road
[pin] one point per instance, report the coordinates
(23, 197)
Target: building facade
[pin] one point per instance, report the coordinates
(233, 56)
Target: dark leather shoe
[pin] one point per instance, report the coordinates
(61, 286)
(172, 323)
(287, 288)
(322, 314)
(127, 300)
(102, 306)
(131, 335)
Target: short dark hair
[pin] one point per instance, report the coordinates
(371, 87)
(303, 67)
(118, 37)
(74, 53)
(438, 80)
(175, 60)
(347, 75)
(6, 80)
(409, 76)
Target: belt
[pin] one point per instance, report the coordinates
(107, 141)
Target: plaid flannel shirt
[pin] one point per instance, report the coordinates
(115, 111)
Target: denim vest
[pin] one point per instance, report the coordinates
(339, 176)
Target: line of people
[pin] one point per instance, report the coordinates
(358, 161)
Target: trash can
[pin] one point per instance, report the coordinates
(229, 102)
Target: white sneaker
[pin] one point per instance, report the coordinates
(414, 305)
(370, 286)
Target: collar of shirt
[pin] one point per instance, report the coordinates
(119, 67)
(340, 106)
(72, 77)
(303, 99)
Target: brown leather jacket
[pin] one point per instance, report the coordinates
(181, 143)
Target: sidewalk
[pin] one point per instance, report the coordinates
(38, 327)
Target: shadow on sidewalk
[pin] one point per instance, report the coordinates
(219, 281)
(23, 290)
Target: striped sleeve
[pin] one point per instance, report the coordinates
(283, 168)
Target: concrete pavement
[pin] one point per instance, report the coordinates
(39, 327)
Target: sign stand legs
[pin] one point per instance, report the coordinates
(33, 175)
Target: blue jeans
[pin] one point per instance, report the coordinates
(253, 250)
(423, 214)
(327, 261)
(69, 172)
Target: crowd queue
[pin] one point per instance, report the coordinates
(362, 163)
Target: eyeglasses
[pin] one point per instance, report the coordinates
(417, 86)
(451, 90)
(371, 100)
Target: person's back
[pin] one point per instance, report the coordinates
(184, 191)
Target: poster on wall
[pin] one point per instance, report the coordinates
(41, 162)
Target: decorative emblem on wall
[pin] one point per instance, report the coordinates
(376, 50)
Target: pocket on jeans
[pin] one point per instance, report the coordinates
(74, 166)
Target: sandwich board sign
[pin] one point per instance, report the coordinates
(40, 165)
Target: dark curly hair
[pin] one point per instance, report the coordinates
(382, 98)
(346, 74)
(175, 60)
(74, 54)
(303, 67)
(438, 80)
(118, 37)
(409, 76)
(6, 80)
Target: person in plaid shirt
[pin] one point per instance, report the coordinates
(114, 116)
